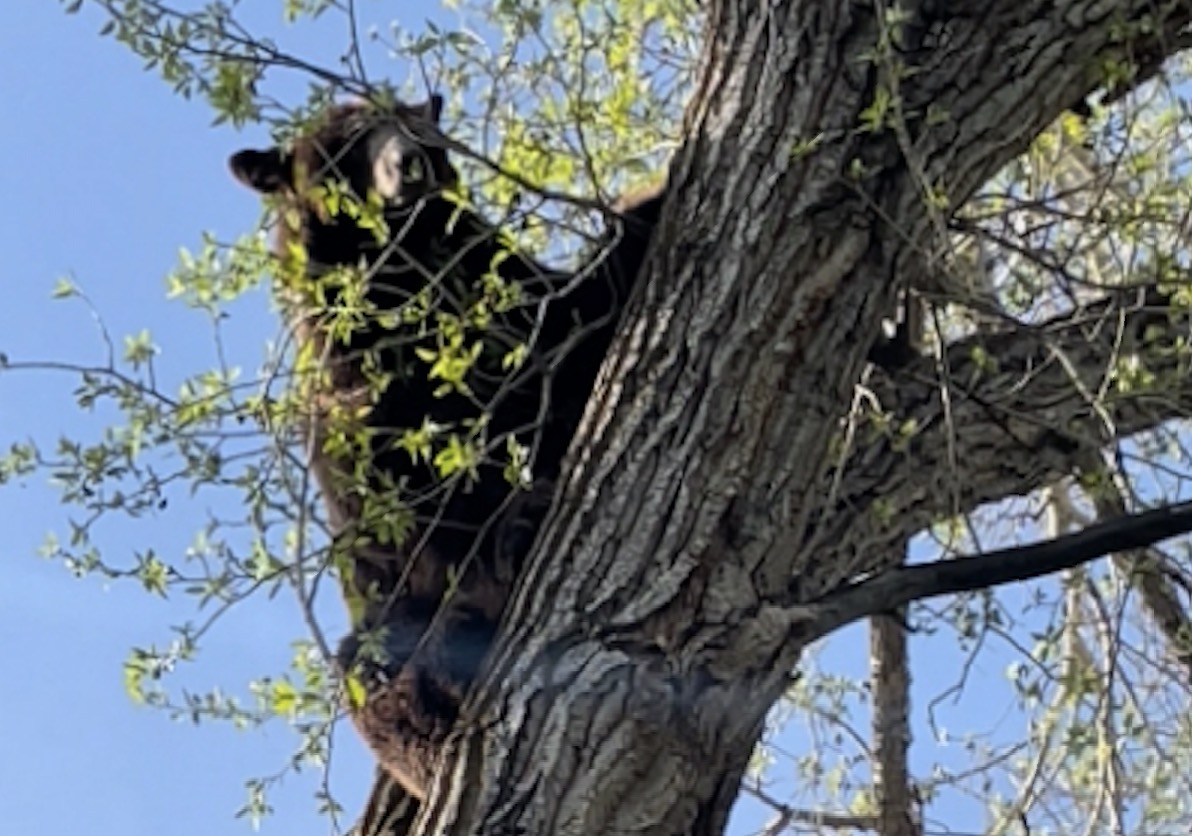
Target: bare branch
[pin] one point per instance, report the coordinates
(903, 585)
(890, 681)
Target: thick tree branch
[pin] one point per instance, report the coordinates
(900, 586)
(1019, 416)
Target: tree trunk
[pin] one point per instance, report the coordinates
(709, 505)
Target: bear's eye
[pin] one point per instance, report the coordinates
(412, 170)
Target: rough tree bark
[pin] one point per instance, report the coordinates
(708, 508)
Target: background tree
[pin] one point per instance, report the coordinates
(746, 485)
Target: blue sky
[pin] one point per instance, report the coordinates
(107, 173)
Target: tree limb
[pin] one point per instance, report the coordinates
(894, 794)
(903, 585)
(1016, 420)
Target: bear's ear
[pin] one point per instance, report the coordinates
(267, 172)
(433, 108)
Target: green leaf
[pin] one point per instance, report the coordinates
(63, 289)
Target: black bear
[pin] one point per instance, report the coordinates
(439, 338)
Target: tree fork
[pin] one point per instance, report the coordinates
(645, 645)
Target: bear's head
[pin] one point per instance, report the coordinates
(393, 153)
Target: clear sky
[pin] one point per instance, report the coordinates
(106, 174)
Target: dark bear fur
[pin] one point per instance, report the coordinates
(439, 597)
